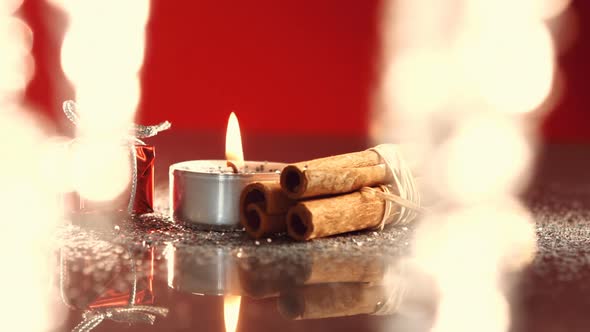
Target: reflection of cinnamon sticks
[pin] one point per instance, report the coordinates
(330, 300)
(330, 269)
(261, 278)
(316, 285)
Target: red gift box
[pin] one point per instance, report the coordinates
(138, 198)
(144, 191)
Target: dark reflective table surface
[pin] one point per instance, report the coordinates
(147, 274)
(345, 283)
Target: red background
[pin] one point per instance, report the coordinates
(294, 66)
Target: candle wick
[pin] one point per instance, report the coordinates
(233, 166)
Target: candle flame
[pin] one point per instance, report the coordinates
(231, 312)
(233, 143)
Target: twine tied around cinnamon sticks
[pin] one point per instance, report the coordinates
(408, 195)
(333, 195)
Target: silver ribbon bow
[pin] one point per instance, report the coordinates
(132, 315)
(138, 132)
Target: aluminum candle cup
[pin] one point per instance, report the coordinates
(213, 273)
(207, 193)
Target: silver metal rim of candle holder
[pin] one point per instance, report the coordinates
(204, 198)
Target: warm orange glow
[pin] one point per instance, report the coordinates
(102, 61)
(459, 75)
(231, 312)
(509, 66)
(9, 6)
(233, 142)
(27, 195)
(56, 160)
(487, 311)
(553, 8)
(88, 165)
(498, 231)
(416, 74)
(500, 237)
(487, 155)
(17, 65)
(169, 255)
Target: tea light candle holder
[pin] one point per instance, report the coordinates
(206, 193)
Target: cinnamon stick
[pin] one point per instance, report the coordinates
(261, 278)
(335, 215)
(334, 175)
(263, 206)
(330, 300)
(259, 224)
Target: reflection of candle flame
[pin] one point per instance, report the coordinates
(231, 312)
(169, 254)
(233, 143)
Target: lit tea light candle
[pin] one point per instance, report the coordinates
(207, 192)
(233, 144)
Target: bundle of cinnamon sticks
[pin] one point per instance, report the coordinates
(320, 198)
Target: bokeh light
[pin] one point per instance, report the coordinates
(102, 60)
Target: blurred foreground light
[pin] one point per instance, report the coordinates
(8, 7)
(472, 309)
(96, 179)
(497, 234)
(419, 82)
(486, 156)
(511, 69)
(28, 203)
(103, 60)
(29, 215)
(552, 8)
(56, 159)
(460, 79)
(102, 54)
(17, 65)
(467, 251)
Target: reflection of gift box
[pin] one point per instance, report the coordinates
(112, 287)
(120, 281)
(144, 192)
